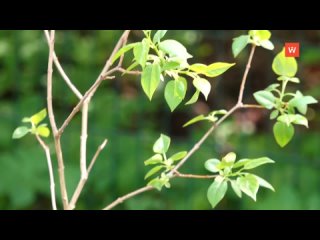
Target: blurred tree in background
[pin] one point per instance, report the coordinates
(121, 112)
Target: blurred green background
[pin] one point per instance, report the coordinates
(121, 113)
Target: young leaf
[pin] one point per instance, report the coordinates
(38, 117)
(264, 183)
(156, 183)
(241, 163)
(178, 156)
(239, 44)
(155, 159)
(265, 98)
(249, 185)
(198, 68)
(162, 144)
(236, 188)
(300, 120)
(283, 133)
(195, 119)
(141, 51)
(274, 114)
(175, 92)
(158, 35)
(230, 157)
(216, 69)
(194, 98)
(212, 165)
(267, 44)
(20, 132)
(43, 131)
(301, 102)
(150, 79)
(253, 163)
(153, 171)
(263, 34)
(122, 51)
(272, 87)
(174, 49)
(203, 86)
(284, 66)
(216, 191)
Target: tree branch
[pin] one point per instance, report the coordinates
(172, 173)
(104, 73)
(181, 175)
(82, 181)
(127, 196)
(83, 139)
(61, 71)
(57, 142)
(51, 176)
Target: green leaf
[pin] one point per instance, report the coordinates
(253, 163)
(213, 70)
(174, 49)
(284, 66)
(178, 156)
(150, 79)
(203, 86)
(283, 133)
(175, 92)
(300, 120)
(249, 185)
(218, 68)
(194, 98)
(272, 87)
(241, 163)
(301, 102)
(141, 51)
(261, 34)
(267, 44)
(38, 117)
(156, 183)
(162, 144)
(20, 132)
(43, 131)
(230, 157)
(274, 114)
(216, 191)
(239, 44)
(265, 98)
(264, 183)
(155, 159)
(170, 65)
(236, 188)
(158, 35)
(195, 119)
(212, 165)
(153, 171)
(293, 118)
(122, 51)
(26, 119)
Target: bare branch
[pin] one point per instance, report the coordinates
(82, 181)
(127, 196)
(252, 106)
(172, 173)
(128, 72)
(245, 75)
(61, 71)
(181, 175)
(83, 139)
(57, 142)
(104, 73)
(52, 188)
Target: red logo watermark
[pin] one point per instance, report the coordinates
(292, 49)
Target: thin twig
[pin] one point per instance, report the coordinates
(57, 142)
(245, 75)
(61, 71)
(83, 139)
(82, 181)
(51, 176)
(181, 175)
(171, 174)
(104, 73)
(127, 196)
(122, 70)
(252, 106)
